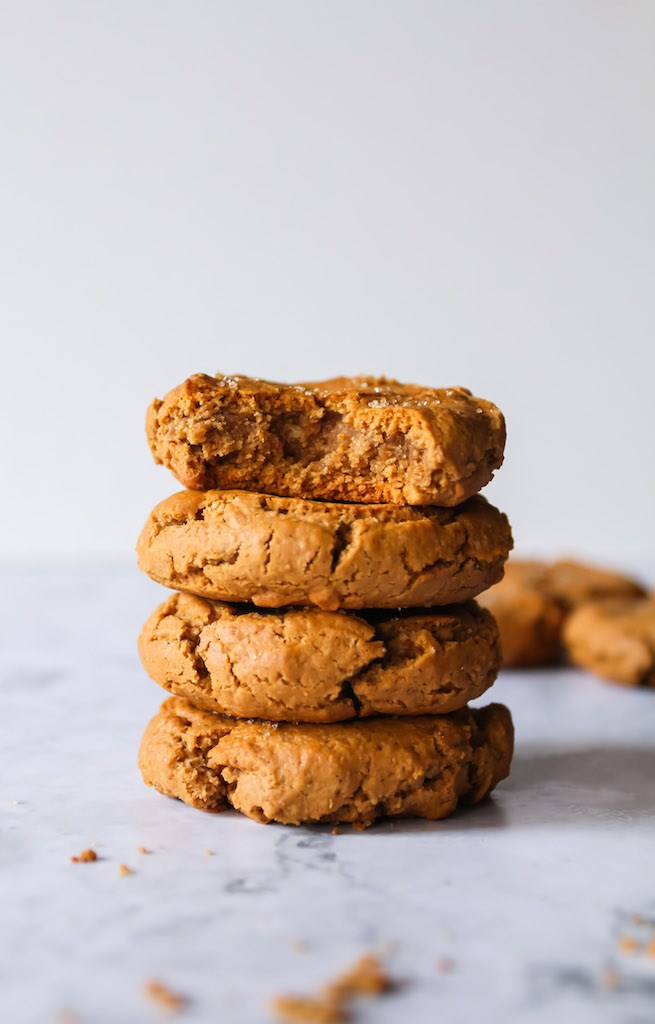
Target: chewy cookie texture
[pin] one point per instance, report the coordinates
(273, 551)
(362, 439)
(615, 638)
(308, 665)
(532, 601)
(345, 772)
(321, 645)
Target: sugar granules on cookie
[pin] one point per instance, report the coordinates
(331, 1005)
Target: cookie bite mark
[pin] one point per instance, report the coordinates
(348, 439)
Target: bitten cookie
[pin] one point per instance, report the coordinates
(532, 601)
(345, 772)
(615, 638)
(347, 439)
(241, 546)
(306, 665)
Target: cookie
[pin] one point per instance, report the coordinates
(532, 601)
(360, 439)
(307, 665)
(241, 546)
(615, 638)
(572, 583)
(529, 620)
(345, 772)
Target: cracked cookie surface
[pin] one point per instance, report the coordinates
(532, 601)
(360, 439)
(353, 771)
(307, 665)
(242, 546)
(615, 638)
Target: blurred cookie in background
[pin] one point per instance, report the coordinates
(531, 604)
(614, 638)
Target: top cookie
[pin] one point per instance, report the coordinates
(360, 439)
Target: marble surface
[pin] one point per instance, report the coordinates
(528, 896)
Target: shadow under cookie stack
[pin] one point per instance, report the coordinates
(321, 644)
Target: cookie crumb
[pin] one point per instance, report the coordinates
(169, 1002)
(142, 849)
(332, 1004)
(299, 1010)
(445, 964)
(627, 944)
(209, 853)
(638, 919)
(335, 831)
(85, 857)
(299, 946)
(609, 979)
(650, 949)
(123, 870)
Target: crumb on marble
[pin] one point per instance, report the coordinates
(305, 1010)
(609, 979)
(650, 949)
(331, 1005)
(627, 944)
(638, 919)
(335, 831)
(299, 946)
(123, 870)
(445, 964)
(209, 853)
(163, 997)
(85, 857)
(142, 849)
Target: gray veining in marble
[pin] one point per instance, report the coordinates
(527, 895)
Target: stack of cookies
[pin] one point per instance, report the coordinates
(321, 643)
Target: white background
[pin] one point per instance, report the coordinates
(449, 193)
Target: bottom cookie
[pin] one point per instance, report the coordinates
(353, 771)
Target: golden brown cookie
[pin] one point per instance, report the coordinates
(349, 771)
(572, 583)
(347, 439)
(307, 665)
(614, 638)
(530, 621)
(531, 602)
(241, 546)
